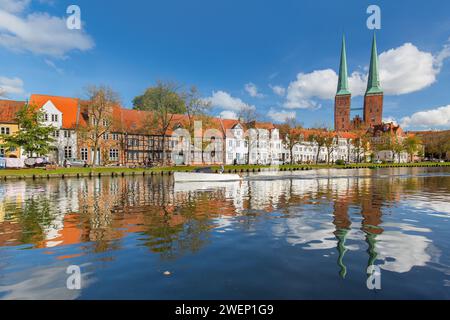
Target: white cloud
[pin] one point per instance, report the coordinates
(407, 69)
(390, 120)
(226, 114)
(403, 70)
(318, 84)
(278, 90)
(281, 116)
(231, 106)
(442, 55)
(252, 90)
(53, 66)
(439, 117)
(10, 86)
(14, 6)
(224, 100)
(38, 33)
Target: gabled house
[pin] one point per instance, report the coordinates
(9, 125)
(62, 113)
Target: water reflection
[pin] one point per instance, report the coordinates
(358, 211)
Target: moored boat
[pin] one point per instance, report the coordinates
(204, 177)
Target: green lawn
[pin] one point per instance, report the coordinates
(120, 170)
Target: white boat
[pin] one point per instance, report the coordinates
(204, 177)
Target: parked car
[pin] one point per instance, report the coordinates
(68, 163)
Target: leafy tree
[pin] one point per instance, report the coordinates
(391, 142)
(412, 145)
(33, 137)
(164, 102)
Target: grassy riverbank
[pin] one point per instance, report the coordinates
(118, 171)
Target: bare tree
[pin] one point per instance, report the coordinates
(330, 144)
(99, 115)
(291, 134)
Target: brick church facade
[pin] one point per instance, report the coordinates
(373, 98)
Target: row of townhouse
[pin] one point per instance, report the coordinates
(342, 148)
(132, 139)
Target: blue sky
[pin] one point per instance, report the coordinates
(225, 47)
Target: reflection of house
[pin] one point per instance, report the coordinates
(8, 125)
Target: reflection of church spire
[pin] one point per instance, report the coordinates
(342, 223)
(341, 236)
(371, 240)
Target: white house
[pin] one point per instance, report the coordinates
(63, 114)
(236, 144)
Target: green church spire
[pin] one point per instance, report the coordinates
(342, 88)
(373, 85)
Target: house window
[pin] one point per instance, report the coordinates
(2, 153)
(5, 130)
(115, 136)
(67, 133)
(45, 117)
(56, 134)
(54, 118)
(113, 154)
(105, 122)
(67, 152)
(132, 155)
(84, 154)
(106, 136)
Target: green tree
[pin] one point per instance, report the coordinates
(33, 137)
(412, 145)
(391, 142)
(164, 101)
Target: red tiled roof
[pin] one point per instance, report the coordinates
(68, 107)
(8, 110)
(261, 125)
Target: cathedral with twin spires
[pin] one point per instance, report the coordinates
(373, 98)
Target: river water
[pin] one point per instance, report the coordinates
(308, 235)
